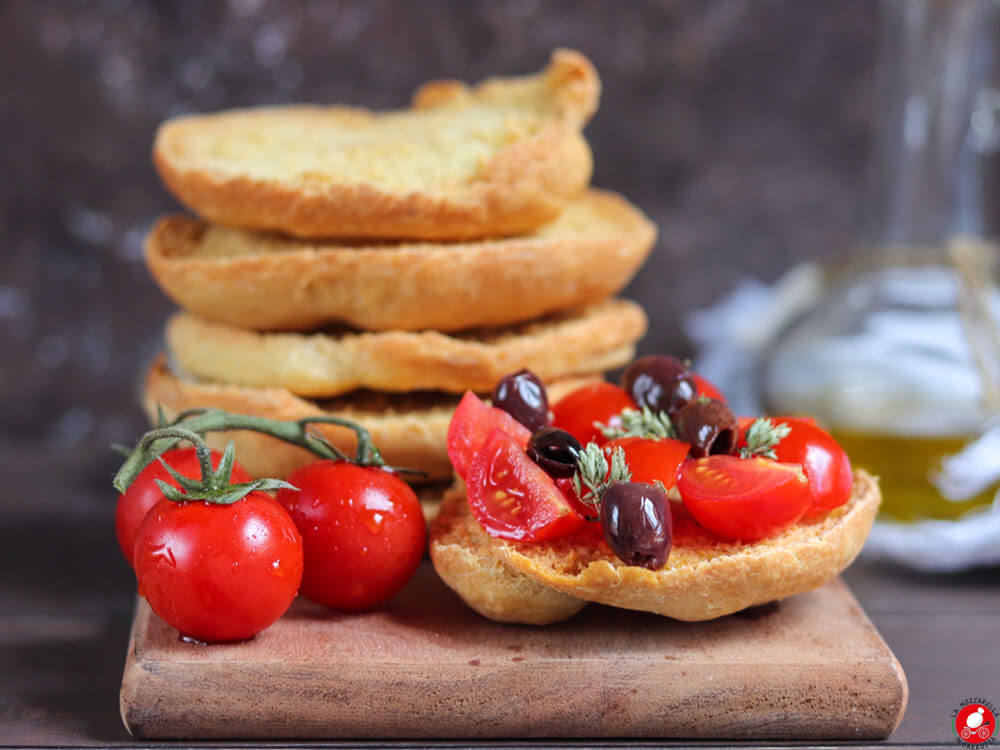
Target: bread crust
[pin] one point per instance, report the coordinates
(592, 339)
(705, 577)
(526, 179)
(590, 252)
(476, 570)
(410, 431)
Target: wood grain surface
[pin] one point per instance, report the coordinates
(812, 667)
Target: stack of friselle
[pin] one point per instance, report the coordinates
(377, 265)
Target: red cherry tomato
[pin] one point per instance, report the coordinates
(578, 411)
(706, 389)
(824, 462)
(471, 423)
(219, 572)
(513, 498)
(143, 493)
(362, 529)
(651, 460)
(743, 498)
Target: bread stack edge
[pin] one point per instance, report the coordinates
(375, 266)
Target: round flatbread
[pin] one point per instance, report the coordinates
(704, 577)
(596, 338)
(475, 569)
(269, 282)
(494, 160)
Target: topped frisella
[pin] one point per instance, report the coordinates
(617, 492)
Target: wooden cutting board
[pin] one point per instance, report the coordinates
(812, 667)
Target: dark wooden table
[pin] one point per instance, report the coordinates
(66, 602)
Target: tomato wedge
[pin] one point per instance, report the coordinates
(651, 460)
(513, 498)
(578, 411)
(826, 465)
(824, 462)
(743, 499)
(470, 425)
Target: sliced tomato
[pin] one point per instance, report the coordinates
(513, 498)
(743, 499)
(706, 388)
(470, 425)
(651, 461)
(578, 411)
(824, 462)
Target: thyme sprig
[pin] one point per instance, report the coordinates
(642, 423)
(593, 475)
(763, 436)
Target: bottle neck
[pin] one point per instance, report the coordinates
(940, 122)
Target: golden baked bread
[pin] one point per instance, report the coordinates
(596, 338)
(409, 429)
(474, 568)
(267, 282)
(704, 577)
(497, 159)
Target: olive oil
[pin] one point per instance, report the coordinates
(907, 467)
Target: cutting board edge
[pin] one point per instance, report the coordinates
(147, 714)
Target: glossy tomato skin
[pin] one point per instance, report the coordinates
(363, 533)
(824, 462)
(219, 573)
(743, 499)
(470, 425)
(577, 411)
(651, 460)
(706, 388)
(143, 494)
(513, 498)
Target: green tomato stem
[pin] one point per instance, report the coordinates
(189, 425)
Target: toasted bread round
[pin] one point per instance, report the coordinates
(592, 339)
(497, 159)
(409, 429)
(267, 282)
(474, 568)
(704, 577)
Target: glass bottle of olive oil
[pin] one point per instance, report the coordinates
(900, 357)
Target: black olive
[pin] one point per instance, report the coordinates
(522, 395)
(660, 382)
(555, 451)
(709, 426)
(637, 523)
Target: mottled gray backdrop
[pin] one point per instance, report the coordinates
(743, 127)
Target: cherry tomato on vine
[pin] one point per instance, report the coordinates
(470, 425)
(363, 532)
(578, 411)
(743, 499)
(143, 494)
(216, 572)
(513, 498)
